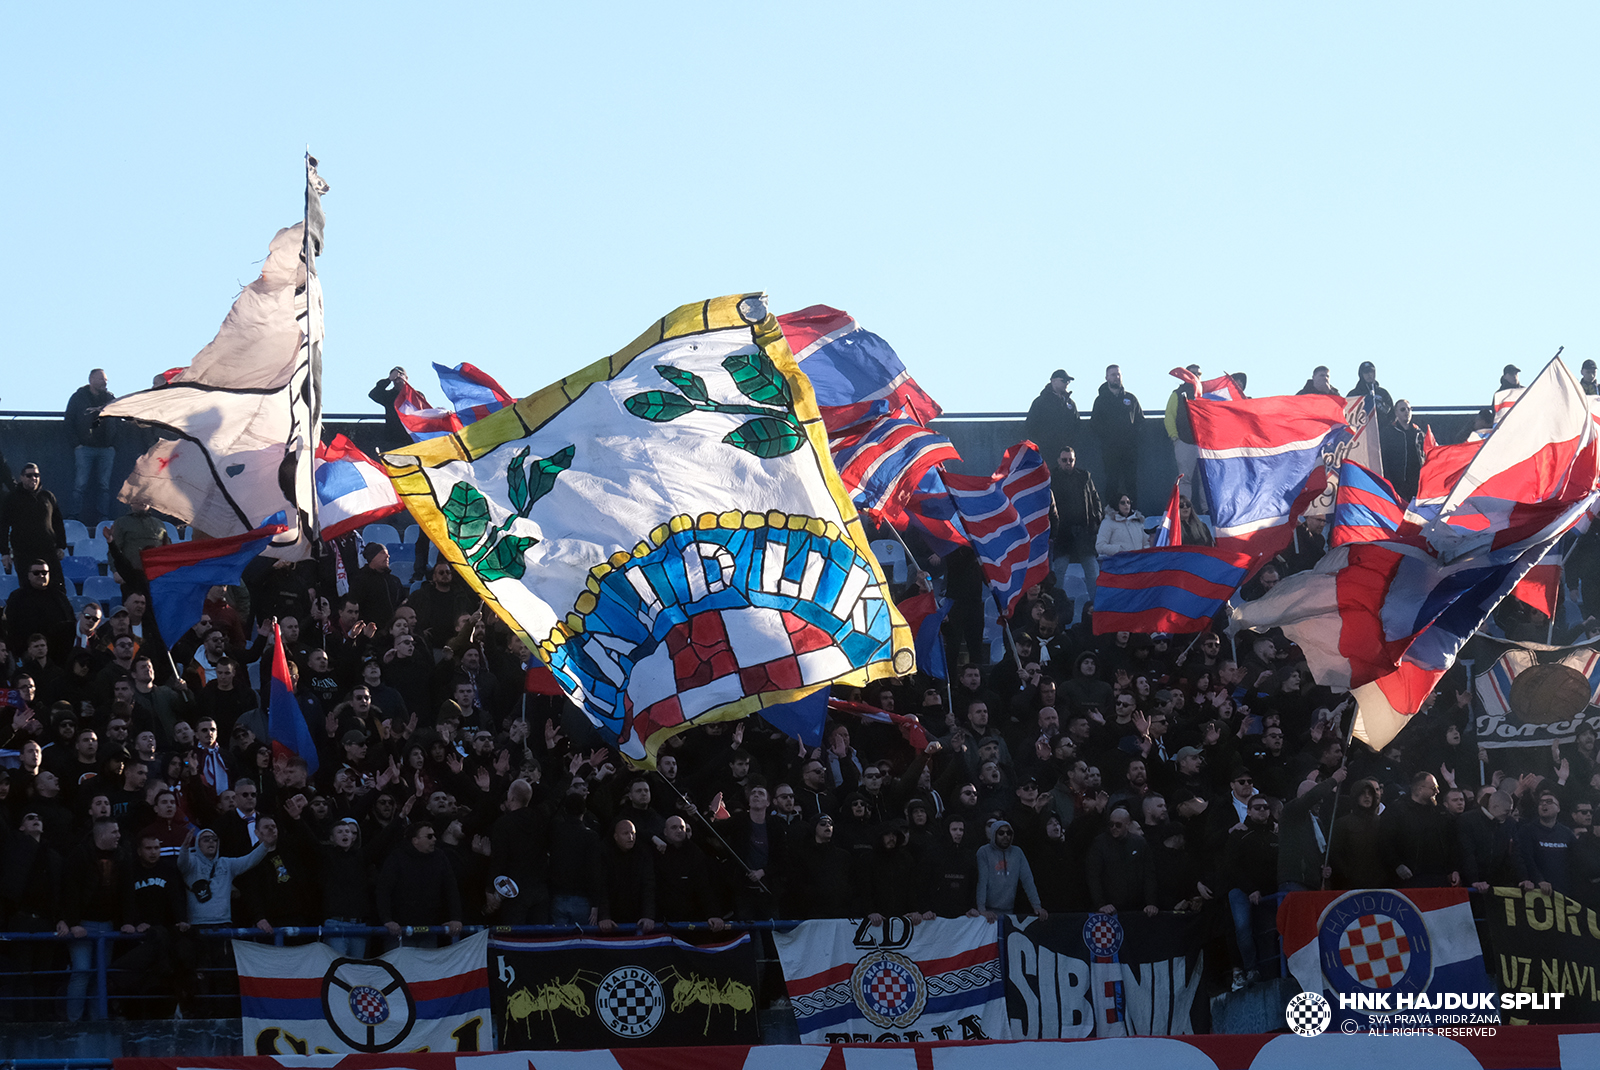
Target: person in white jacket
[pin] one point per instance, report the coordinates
(1122, 529)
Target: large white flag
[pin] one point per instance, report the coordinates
(245, 417)
(666, 529)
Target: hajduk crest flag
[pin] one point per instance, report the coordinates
(245, 417)
(309, 1000)
(665, 529)
(1375, 942)
(940, 980)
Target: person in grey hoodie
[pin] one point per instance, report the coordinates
(208, 877)
(1002, 868)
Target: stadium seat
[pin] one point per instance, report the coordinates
(8, 583)
(77, 535)
(409, 535)
(380, 533)
(103, 589)
(78, 569)
(93, 548)
(892, 557)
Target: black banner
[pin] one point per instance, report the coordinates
(645, 991)
(1544, 949)
(1081, 975)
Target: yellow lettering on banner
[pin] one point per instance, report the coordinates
(1534, 902)
(1549, 975)
(1510, 895)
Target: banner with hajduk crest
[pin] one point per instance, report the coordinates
(666, 530)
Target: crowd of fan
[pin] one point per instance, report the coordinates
(1115, 773)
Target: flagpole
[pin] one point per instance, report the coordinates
(712, 825)
(1327, 851)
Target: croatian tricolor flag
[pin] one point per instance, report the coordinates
(421, 419)
(352, 491)
(181, 574)
(1261, 461)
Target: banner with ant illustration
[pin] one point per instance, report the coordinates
(621, 992)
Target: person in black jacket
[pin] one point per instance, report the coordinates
(1118, 869)
(1116, 418)
(574, 861)
(891, 876)
(820, 881)
(519, 844)
(1400, 442)
(947, 886)
(1487, 845)
(1076, 518)
(1053, 417)
(94, 450)
(41, 608)
(31, 524)
(1418, 843)
(385, 393)
(346, 887)
(1249, 871)
(155, 905)
(30, 897)
(683, 892)
(417, 886)
(1367, 386)
(91, 903)
(628, 888)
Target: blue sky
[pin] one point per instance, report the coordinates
(997, 190)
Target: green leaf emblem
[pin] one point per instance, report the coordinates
(658, 406)
(693, 387)
(466, 516)
(765, 436)
(757, 378)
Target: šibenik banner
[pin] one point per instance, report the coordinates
(309, 1000)
(852, 981)
(592, 992)
(1106, 975)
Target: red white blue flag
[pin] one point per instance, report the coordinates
(1006, 519)
(856, 374)
(1367, 508)
(1261, 461)
(286, 722)
(472, 391)
(1170, 533)
(352, 491)
(882, 465)
(1166, 589)
(421, 419)
(181, 574)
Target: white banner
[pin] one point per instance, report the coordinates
(309, 1000)
(895, 982)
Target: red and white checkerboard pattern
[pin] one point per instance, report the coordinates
(890, 991)
(1376, 951)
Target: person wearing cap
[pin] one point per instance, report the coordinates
(1319, 384)
(1508, 378)
(1116, 419)
(1400, 440)
(1002, 870)
(1181, 434)
(375, 589)
(1590, 386)
(1053, 417)
(1367, 387)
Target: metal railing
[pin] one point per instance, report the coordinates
(100, 994)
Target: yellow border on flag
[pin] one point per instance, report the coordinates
(405, 467)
